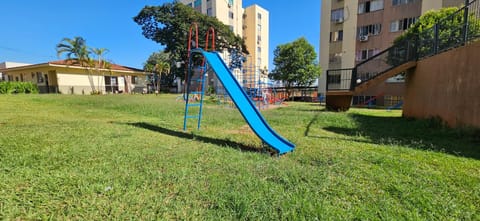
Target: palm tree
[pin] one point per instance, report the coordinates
(101, 62)
(158, 63)
(75, 49)
(162, 67)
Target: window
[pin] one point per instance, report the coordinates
(366, 30)
(337, 14)
(335, 58)
(40, 77)
(197, 3)
(366, 54)
(376, 5)
(21, 77)
(402, 24)
(259, 16)
(259, 49)
(364, 100)
(209, 11)
(230, 15)
(370, 6)
(336, 36)
(390, 100)
(134, 79)
(259, 61)
(259, 27)
(231, 27)
(259, 38)
(334, 79)
(401, 2)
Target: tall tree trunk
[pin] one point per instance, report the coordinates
(159, 82)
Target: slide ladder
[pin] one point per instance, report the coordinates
(195, 80)
(196, 77)
(194, 95)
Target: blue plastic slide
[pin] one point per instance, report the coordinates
(246, 106)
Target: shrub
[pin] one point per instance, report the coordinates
(18, 88)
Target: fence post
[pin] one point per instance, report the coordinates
(435, 38)
(326, 82)
(415, 48)
(353, 81)
(465, 22)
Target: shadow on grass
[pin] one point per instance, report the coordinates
(314, 119)
(215, 141)
(419, 134)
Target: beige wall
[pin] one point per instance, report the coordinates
(252, 24)
(446, 86)
(428, 5)
(325, 23)
(82, 81)
(349, 34)
(345, 48)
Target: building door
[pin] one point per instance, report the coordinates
(111, 84)
(47, 83)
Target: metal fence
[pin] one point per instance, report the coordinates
(340, 79)
(456, 30)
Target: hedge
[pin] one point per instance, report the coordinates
(9, 87)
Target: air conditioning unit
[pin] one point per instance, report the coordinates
(339, 20)
(364, 38)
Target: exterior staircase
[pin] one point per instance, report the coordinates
(454, 31)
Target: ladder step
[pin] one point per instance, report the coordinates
(196, 92)
(192, 116)
(194, 105)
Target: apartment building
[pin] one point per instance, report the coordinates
(256, 35)
(252, 23)
(353, 31)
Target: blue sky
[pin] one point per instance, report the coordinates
(32, 28)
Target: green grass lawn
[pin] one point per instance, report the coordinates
(127, 157)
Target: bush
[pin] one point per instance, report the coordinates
(18, 88)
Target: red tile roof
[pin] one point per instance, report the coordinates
(74, 62)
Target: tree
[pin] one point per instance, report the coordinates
(295, 64)
(100, 64)
(158, 64)
(75, 49)
(442, 28)
(169, 25)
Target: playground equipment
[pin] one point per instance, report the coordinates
(396, 106)
(196, 74)
(195, 78)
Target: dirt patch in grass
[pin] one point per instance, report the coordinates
(245, 129)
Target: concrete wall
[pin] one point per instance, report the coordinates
(446, 86)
